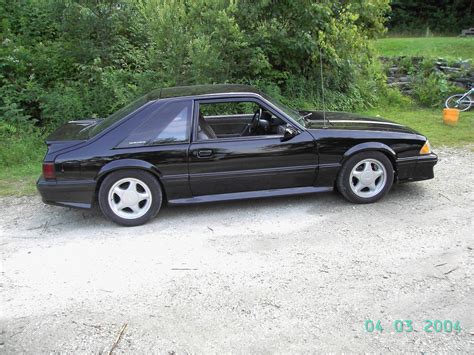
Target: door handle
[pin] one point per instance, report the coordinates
(205, 153)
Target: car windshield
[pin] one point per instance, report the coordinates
(118, 115)
(293, 113)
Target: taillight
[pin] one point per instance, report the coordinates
(49, 171)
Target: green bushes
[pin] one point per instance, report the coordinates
(20, 157)
(20, 146)
(428, 81)
(431, 89)
(61, 60)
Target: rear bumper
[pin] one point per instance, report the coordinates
(76, 193)
(416, 168)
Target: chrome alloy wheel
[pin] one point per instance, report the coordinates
(368, 178)
(130, 198)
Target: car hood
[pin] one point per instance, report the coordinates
(351, 121)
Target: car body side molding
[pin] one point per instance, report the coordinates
(250, 195)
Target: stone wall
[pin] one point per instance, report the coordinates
(402, 71)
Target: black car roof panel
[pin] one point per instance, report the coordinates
(198, 90)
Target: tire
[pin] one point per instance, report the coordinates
(365, 177)
(465, 105)
(130, 197)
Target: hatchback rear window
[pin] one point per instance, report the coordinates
(169, 123)
(105, 123)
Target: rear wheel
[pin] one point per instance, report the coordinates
(130, 197)
(366, 177)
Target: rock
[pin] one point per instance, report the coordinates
(467, 32)
(449, 69)
(459, 73)
(405, 79)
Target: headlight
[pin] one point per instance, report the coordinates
(426, 149)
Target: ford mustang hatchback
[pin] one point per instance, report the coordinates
(198, 144)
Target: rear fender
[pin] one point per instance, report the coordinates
(122, 164)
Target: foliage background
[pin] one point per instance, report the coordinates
(415, 17)
(61, 60)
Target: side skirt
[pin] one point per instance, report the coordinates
(78, 205)
(249, 195)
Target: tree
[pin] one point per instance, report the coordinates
(80, 58)
(441, 16)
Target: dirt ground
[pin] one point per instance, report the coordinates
(299, 274)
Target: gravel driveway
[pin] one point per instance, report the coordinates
(297, 274)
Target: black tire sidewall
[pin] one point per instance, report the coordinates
(343, 183)
(141, 175)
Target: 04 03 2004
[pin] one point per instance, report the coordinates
(408, 326)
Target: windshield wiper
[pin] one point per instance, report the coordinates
(305, 117)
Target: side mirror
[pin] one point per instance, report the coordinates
(289, 133)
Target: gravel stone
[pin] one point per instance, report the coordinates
(293, 274)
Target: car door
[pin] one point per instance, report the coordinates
(239, 164)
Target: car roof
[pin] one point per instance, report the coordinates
(202, 90)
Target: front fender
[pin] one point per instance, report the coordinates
(127, 164)
(370, 146)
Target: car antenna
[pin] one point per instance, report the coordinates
(322, 87)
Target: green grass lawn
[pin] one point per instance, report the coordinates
(20, 180)
(20, 164)
(445, 47)
(429, 122)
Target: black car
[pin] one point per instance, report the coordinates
(198, 144)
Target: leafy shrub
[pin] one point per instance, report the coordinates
(20, 146)
(62, 60)
(431, 87)
(394, 98)
(61, 104)
(431, 90)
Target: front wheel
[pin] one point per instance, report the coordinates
(460, 101)
(130, 197)
(365, 177)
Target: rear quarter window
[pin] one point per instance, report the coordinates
(169, 123)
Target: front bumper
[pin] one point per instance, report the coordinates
(70, 193)
(416, 168)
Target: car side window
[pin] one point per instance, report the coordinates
(236, 119)
(168, 123)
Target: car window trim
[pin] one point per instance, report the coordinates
(154, 145)
(255, 95)
(257, 100)
(238, 139)
(190, 126)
